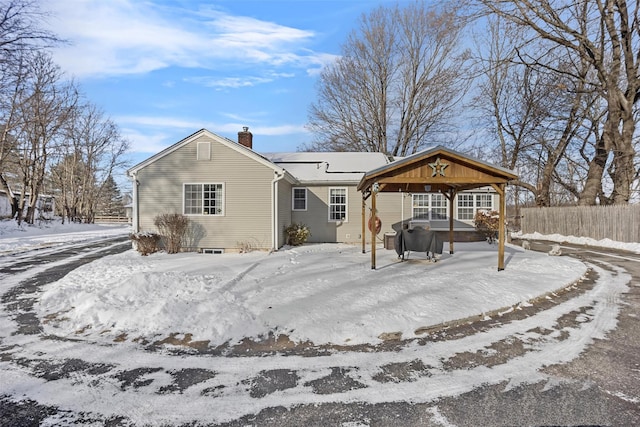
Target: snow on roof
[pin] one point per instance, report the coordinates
(328, 166)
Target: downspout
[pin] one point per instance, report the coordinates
(275, 201)
(135, 204)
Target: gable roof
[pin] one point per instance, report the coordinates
(328, 167)
(439, 167)
(224, 141)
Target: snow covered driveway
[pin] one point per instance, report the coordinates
(70, 371)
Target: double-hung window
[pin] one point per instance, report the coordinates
(204, 199)
(470, 203)
(421, 206)
(484, 201)
(429, 206)
(438, 206)
(337, 204)
(466, 209)
(299, 199)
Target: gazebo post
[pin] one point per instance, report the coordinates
(373, 228)
(450, 196)
(500, 189)
(363, 234)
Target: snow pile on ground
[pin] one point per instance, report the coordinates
(16, 238)
(586, 241)
(323, 293)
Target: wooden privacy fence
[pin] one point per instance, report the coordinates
(111, 219)
(620, 223)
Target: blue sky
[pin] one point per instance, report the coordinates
(163, 69)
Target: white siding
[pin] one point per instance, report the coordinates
(247, 185)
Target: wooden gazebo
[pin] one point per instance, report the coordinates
(438, 169)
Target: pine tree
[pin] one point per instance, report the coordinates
(110, 202)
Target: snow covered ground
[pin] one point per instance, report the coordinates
(322, 293)
(16, 238)
(325, 293)
(585, 241)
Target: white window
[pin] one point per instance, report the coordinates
(465, 206)
(484, 201)
(299, 199)
(203, 199)
(429, 206)
(421, 206)
(203, 151)
(438, 206)
(470, 203)
(337, 204)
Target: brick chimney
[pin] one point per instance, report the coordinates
(245, 138)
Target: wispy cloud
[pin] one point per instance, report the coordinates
(228, 82)
(122, 37)
(238, 81)
(146, 142)
(159, 122)
(151, 134)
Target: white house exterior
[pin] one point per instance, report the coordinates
(45, 206)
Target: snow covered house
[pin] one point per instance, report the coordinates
(236, 197)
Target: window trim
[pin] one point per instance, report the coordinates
(346, 204)
(293, 199)
(430, 207)
(475, 206)
(202, 184)
(469, 207)
(491, 200)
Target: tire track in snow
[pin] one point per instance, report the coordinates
(235, 378)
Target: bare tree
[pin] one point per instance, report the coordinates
(21, 29)
(93, 149)
(605, 34)
(396, 84)
(20, 34)
(45, 104)
(12, 82)
(536, 114)
(66, 174)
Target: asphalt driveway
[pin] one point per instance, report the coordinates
(601, 386)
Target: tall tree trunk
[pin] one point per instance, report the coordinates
(593, 184)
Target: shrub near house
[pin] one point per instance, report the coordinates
(173, 229)
(297, 234)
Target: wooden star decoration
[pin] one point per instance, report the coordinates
(438, 167)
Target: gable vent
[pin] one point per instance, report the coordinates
(204, 151)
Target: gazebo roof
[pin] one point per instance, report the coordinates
(439, 168)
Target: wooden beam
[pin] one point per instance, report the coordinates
(450, 196)
(500, 189)
(441, 180)
(373, 230)
(363, 219)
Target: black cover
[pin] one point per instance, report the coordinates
(418, 240)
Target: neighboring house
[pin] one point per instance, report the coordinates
(238, 198)
(45, 206)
